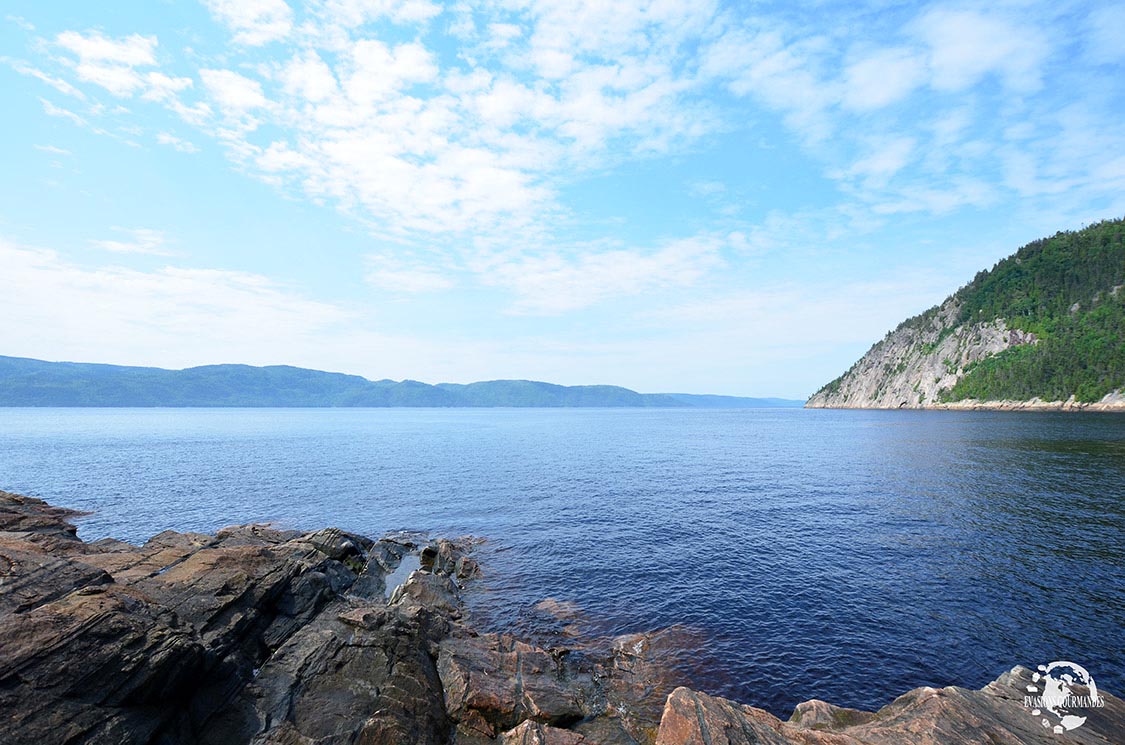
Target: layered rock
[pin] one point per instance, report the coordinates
(257, 635)
(913, 364)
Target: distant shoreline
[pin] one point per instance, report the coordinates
(26, 382)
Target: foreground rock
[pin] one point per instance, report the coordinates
(257, 635)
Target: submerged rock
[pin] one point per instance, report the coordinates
(258, 635)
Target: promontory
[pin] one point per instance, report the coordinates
(1044, 329)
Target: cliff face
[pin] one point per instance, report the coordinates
(916, 362)
(1043, 329)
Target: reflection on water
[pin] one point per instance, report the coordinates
(847, 556)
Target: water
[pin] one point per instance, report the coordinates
(848, 556)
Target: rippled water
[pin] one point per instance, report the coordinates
(847, 556)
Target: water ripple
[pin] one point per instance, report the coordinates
(847, 556)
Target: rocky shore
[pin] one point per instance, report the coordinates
(258, 635)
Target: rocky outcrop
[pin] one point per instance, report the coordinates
(926, 356)
(994, 715)
(258, 635)
(916, 361)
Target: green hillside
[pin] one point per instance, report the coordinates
(1069, 290)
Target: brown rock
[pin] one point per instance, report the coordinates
(994, 715)
(505, 681)
(818, 714)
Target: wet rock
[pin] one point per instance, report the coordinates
(432, 591)
(382, 559)
(643, 670)
(503, 681)
(451, 558)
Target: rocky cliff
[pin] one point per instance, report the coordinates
(258, 635)
(1044, 329)
(912, 366)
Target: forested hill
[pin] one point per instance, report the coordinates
(1046, 324)
(27, 382)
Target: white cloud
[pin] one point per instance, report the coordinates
(351, 13)
(307, 75)
(390, 273)
(20, 21)
(378, 71)
(110, 63)
(52, 110)
(957, 192)
(706, 188)
(882, 77)
(160, 87)
(554, 283)
(94, 47)
(254, 22)
(967, 45)
(165, 138)
(884, 158)
(142, 241)
(234, 93)
(57, 83)
(170, 316)
(458, 148)
(53, 150)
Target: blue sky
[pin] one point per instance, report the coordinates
(673, 196)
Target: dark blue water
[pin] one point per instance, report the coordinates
(848, 556)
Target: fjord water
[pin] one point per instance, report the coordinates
(841, 555)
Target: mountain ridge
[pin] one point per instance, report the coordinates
(27, 382)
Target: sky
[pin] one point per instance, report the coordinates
(680, 195)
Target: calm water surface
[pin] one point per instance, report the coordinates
(847, 556)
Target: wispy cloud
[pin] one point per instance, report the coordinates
(254, 22)
(141, 241)
(164, 138)
(171, 315)
(391, 273)
(52, 149)
(552, 283)
(457, 131)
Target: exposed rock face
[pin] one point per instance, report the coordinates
(256, 635)
(913, 364)
(909, 367)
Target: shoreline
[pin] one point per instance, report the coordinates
(1035, 405)
(255, 634)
